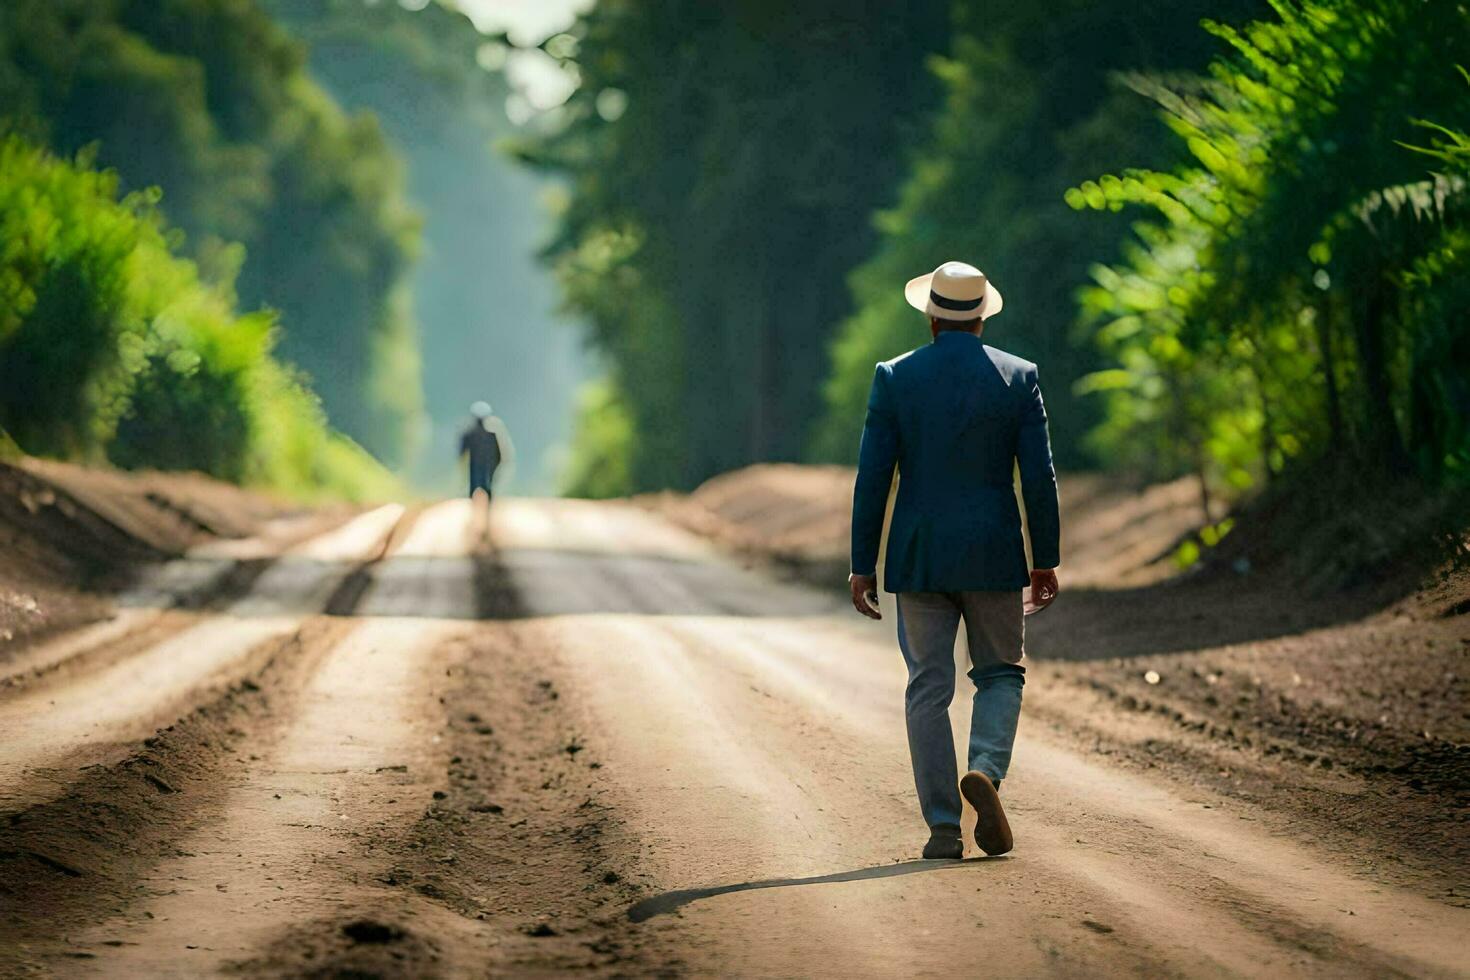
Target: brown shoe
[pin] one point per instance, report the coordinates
(992, 831)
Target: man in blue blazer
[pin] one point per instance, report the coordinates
(956, 418)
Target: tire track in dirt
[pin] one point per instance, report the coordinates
(209, 579)
(88, 849)
(148, 613)
(96, 714)
(300, 837)
(523, 841)
(1388, 793)
(1327, 912)
(126, 633)
(383, 717)
(206, 579)
(79, 837)
(429, 795)
(313, 816)
(504, 869)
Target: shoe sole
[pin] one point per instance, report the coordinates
(992, 830)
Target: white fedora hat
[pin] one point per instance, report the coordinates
(954, 291)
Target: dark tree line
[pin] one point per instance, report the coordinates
(751, 185)
(724, 163)
(1035, 100)
(1276, 271)
(741, 226)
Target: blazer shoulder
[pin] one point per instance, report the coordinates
(1014, 369)
(894, 363)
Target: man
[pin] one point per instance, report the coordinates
(955, 417)
(487, 444)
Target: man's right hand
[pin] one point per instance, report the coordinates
(865, 587)
(1044, 587)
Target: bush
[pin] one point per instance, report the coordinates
(111, 346)
(1298, 290)
(211, 101)
(68, 338)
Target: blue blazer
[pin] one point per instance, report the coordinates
(955, 417)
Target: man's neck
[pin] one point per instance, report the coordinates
(961, 333)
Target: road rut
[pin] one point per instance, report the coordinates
(601, 747)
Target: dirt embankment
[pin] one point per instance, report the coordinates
(793, 517)
(1316, 662)
(796, 518)
(71, 537)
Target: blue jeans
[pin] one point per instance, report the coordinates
(928, 623)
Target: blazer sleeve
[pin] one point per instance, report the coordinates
(1038, 480)
(877, 457)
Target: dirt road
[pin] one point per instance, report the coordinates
(597, 746)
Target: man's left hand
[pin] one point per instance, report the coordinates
(865, 587)
(1044, 587)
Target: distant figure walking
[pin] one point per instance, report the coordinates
(487, 444)
(954, 417)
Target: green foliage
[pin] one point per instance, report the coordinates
(602, 446)
(1032, 105)
(69, 343)
(111, 346)
(723, 161)
(1303, 286)
(210, 101)
(1193, 548)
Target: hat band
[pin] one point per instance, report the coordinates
(955, 304)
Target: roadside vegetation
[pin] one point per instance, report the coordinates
(1299, 287)
(113, 347)
(1272, 281)
(751, 186)
(269, 185)
(1033, 102)
(1269, 287)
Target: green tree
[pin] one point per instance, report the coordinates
(1035, 100)
(1304, 280)
(723, 163)
(69, 341)
(114, 347)
(210, 100)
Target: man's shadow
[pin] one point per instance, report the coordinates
(671, 901)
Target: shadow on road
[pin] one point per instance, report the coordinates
(483, 584)
(670, 901)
